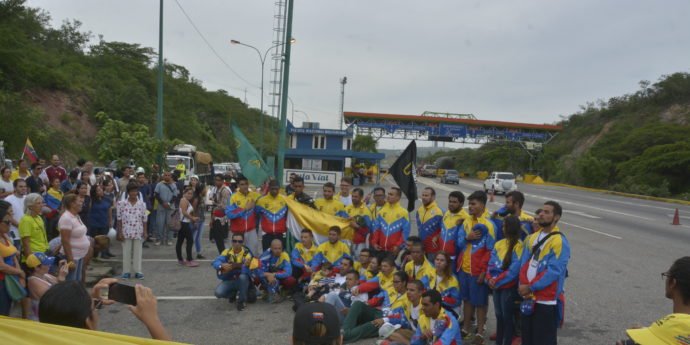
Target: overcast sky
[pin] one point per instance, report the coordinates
(527, 61)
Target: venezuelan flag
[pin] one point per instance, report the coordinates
(304, 217)
(29, 151)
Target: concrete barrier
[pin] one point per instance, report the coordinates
(482, 175)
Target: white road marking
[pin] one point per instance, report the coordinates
(684, 217)
(582, 214)
(562, 222)
(616, 201)
(184, 298)
(592, 230)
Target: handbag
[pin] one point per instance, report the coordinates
(14, 289)
(174, 223)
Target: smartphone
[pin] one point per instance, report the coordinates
(122, 293)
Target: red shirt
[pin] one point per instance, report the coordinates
(52, 172)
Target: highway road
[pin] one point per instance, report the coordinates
(619, 248)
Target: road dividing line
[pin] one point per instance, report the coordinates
(592, 230)
(184, 298)
(673, 215)
(582, 214)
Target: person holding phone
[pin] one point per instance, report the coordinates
(40, 280)
(70, 304)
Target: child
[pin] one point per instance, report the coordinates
(321, 281)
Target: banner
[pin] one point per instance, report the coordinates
(404, 172)
(253, 166)
(301, 216)
(26, 332)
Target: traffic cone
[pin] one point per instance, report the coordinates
(676, 218)
(491, 196)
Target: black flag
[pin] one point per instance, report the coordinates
(404, 171)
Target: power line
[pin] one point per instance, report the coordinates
(210, 46)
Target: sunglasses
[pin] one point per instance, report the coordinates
(8, 222)
(237, 241)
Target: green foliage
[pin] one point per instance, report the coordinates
(120, 141)
(116, 78)
(593, 172)
(364, 143)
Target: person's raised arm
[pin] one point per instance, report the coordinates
(146, 311)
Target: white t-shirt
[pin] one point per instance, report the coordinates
(7, 186)
(346, 200)
(414, 314)
(18, 208)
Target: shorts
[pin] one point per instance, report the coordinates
(471, 291)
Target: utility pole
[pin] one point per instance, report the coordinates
(159, 123)
(342, 102)
(284, 96)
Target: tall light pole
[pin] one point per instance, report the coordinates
(284, 94)
(262, 58)
(159, 106)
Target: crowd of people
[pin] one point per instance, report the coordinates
(432, 288)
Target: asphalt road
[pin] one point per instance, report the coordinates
(619, 248)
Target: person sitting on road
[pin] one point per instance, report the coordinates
(364, 318)
(435, 325)
(401, 323)
(332, 251)
(316, 323)
(362, 265)
(383, 280)
(321, 281)
(69, 304)
(343, 298)
(673, 328)
(232, 267)
(302, 257)
(418, 267)
(277, 271)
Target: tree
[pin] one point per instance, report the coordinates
(122, 142)
(364, 143)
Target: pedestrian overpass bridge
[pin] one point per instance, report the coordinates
(447, 127)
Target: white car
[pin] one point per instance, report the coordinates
(500, 182)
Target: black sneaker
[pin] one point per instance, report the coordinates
(232, 299)
(241, 306)
(199, 257)
(145, 245)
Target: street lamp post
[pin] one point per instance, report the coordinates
(262, 58)
(299, 111)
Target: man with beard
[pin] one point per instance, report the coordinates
(299, 194)
(544, 267)
(515, 200)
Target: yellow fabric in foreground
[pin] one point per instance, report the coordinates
(318, 221)
(23, 332)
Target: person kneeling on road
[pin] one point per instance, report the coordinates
(233, 269)
(69, 304)
(277, 271)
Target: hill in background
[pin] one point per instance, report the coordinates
(54, 81)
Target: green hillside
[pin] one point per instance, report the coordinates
(55, 81)
(637, 143)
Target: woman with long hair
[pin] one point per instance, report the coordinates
(187, 218)
(9, 263)
(502, 277)
(444, 281)
(199, 204)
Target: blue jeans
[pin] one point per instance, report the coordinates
(76, 273)
(504, 305)
(197, 229)
(333, 298)
(228, 288)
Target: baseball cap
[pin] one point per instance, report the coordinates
(309, 316)
(36, 259)
(673, 329)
